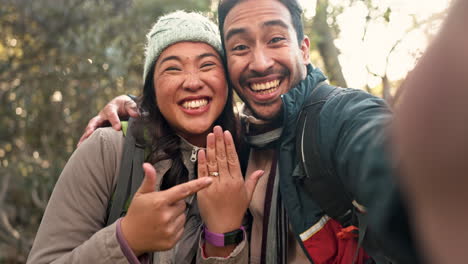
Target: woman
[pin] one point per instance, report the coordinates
(184, 97)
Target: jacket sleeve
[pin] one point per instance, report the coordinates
(355, 140)
(73, 226)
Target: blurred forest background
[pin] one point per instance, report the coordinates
(61, 61)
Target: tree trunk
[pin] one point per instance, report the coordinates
(326, 46)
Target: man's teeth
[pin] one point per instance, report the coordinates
(260, 87)
(194, 104)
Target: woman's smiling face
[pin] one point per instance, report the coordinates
(191, 89)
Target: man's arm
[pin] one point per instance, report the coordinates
(120, 106)
(354, 138)
(428, 146)
(431, 132)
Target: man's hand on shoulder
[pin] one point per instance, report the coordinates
(120, 106)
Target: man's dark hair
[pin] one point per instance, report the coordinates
(293, 7)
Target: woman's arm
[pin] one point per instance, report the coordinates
(72, 229)
(223, 205)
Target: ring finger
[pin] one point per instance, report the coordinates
(220, 151)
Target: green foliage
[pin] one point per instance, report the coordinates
(60, 62)
(387, 14)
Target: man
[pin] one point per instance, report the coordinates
(268, 64)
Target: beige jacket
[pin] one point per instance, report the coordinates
(73, 226)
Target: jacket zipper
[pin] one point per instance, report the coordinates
(193, 157)
(302, 145)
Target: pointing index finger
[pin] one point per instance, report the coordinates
(184, 190)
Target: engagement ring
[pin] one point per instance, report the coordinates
(214, 174)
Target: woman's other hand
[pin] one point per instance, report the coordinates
(155, 220)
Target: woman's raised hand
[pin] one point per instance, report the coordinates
(224, 203)
(155, 220)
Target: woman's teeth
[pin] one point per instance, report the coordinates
(194, 104)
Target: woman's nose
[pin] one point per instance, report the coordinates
(192, 82)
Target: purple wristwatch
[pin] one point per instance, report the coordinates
(221, 240)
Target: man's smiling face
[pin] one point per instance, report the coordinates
(263, 56)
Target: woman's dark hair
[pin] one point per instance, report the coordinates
(293, 7)
(162, 139)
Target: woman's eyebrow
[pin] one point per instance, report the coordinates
(177, 58)
(199, 57)
(207, 54)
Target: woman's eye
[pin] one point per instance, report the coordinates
(208, 64)
(172, 69)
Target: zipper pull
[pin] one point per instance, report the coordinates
(193, 157)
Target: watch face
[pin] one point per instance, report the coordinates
(234, 237)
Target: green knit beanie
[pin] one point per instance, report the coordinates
(176, 27)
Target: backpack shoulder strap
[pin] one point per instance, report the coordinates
(321, 182)
(130, 174)
(124, 127)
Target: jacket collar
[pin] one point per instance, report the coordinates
(189, 157)
(295, 98)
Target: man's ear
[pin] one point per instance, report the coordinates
(305, 49)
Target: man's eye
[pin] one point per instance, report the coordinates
(276, 39)
(239, 48)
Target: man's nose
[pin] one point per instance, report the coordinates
(261, 61)
(192, 82)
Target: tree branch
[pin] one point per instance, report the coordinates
(36, 200)
(4, 188)
(6, 226)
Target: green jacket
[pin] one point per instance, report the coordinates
(353, 140)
